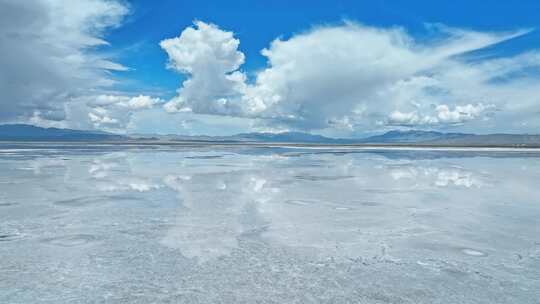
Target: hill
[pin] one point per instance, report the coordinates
(22, 132)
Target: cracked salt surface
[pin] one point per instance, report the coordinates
(266, 225)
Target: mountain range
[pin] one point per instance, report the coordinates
(22, 132)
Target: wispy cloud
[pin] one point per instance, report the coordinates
(47, 54)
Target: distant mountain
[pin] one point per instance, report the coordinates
(412, 136)
(524, 140)
(416, 137)
(286, 137)
(22, 132)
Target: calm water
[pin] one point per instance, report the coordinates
(267, 225)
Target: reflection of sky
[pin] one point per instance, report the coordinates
(439, 176)
(205, 204)
(309, 201)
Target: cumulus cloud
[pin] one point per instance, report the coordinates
(211, 58)
(410, 119)
(100, 116)
(351, 77)
(442, 114)
(114, 112)
(142, 102)
(460, 114)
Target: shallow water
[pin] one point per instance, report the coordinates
(267, 225)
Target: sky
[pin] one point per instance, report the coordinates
(336, 68)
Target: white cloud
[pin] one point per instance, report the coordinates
(50, 71)
(47, 56)
(113, 112)
(100, 116)
(353, 77)
(442, 114)
(142, 102)
(130, 103)
(411, 119)
(211, 58)
(460, 114)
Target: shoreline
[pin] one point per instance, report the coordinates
(386, 146)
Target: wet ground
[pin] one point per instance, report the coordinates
(237, 224)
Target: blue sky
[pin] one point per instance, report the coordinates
(338, 68)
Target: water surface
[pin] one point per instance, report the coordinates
(267, 225)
